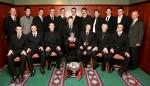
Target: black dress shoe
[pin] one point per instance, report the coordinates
(33, 73)
(13, 79)
(20, 78)
(120, 72)
(111, 70)
(49, 67)
(42, 71)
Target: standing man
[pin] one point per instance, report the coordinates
(49, 19)
(10, 23)
(85, 19)
(97, 21)
(26, 21)
(123, 19)
(136, 33)
(110, 20)
(17, 46)
(38, 20)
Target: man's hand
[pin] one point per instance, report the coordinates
(89, 47)
(41, 48)
(23, 53)
(81, 47)
(10, 52)
(105, 50)
(95, 49)
(84, 53)
(138, 45)
(47, 49)
(58, 48)
(28, 50)
(112, 50)
(127, 54)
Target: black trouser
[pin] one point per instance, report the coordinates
(84, 58)
(134, 51)
(11, 63)
(124, 63)
(29, 58)
(106, 58)
(58, 58)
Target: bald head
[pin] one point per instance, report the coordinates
(134, 15)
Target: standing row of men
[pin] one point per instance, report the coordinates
(126, 36)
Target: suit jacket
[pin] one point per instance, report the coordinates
(98, 24)
(26, 24)
(67, 32)
(136, 33)
(120, 43)
(111, 24)
(61, 23)
(90, 38)
(9, 25)
(102, 42)
(34, 42)
(86, 20)
(126, 22)
(17, 44)
(39, 24)
(77, 22)
(47, 20)
(52, 39)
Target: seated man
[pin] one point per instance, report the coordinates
(70, 38)
(102, 42)
(34, 46)
(52, 44)
(17, 43)
(119, 48)
(86, 42)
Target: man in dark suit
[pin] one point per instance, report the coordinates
(123, 19)
(52, 43)
(110, 20)
(38, 21)
(86, 42)
(17, 43)
(35, 46)
(76, 19)
(50, 18)
(102, 43)
(85, 19)
(71, 35)
(136, 33)
(119, 48)
(10, 23)
(97, 21)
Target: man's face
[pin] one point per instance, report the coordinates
(63, 12)
(120, 28)
(104, 27)
(41, 12)
(52, 12)
(70, 21)
(84, 12)
(19, 30)
(120, 12)
(88, 27)
(134, 15)
(96, 14)
(73, 11)
(28, 12)
(108, 11)
(51, 27)
(13, 11)
(33, 28)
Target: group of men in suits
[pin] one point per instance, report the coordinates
(77, 38)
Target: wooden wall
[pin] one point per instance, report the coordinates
(4, 11)
(144, 12)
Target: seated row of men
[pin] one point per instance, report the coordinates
(83, 47)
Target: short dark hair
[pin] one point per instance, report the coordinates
(120, 24)
(18, 26)
(41, 9)
(70, 17)
(120, 8)
(62, 9)
(51, 8)
(27, 8)
(74, 8)
(108, 8)
(33, 25)
(96, 10)
(84, 8)
(105, 23)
